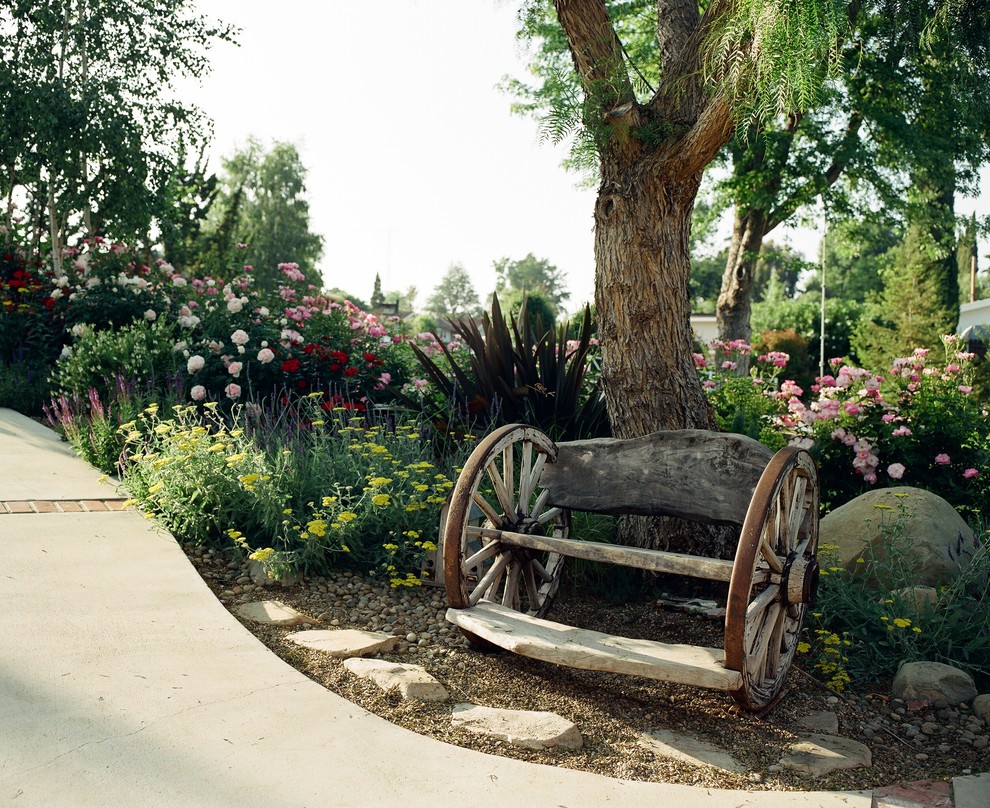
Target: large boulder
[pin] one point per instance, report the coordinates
(933, 682)
(931, 540)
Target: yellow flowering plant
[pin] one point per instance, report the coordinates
(869, 618)
(306, 495)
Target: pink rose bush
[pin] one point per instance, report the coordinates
(916, 423)
(281, 344)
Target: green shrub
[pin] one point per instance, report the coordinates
(142, 353)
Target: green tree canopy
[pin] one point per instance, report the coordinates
(532, 276)
(261, 217)
(454, 296)
(91, 128)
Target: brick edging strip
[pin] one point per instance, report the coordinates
(62, 506)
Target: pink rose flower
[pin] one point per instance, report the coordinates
(234, 369)
(969, 474)
(239, 337)
(232, 390)
(895, 471)
(942, 459)
(198, 393)
(265, 355)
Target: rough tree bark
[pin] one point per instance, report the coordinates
(652, 157)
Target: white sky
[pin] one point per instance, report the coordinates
(414, 160)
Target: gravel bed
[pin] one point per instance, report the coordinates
(610, 710)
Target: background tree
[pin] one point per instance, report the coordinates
(91, 129)
(454, 296)
(532, 276)
(188, 196)
(261, 205)
(540, 314)
(910, 312)
(968, 261)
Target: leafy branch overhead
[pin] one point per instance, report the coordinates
(664, 72)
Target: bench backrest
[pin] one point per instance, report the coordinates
(706, 477)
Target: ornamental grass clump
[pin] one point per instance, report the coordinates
(864, 626)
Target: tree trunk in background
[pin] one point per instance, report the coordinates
(735, 301)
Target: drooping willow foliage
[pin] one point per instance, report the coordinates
(772, 57)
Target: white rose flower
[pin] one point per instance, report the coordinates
(195, 363)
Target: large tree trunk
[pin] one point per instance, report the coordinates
(642, 223)
(652, 157)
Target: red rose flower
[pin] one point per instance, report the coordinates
(290, 366)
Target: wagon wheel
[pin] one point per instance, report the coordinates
(774, 577)
(499, 489)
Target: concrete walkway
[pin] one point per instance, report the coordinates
(124, 682)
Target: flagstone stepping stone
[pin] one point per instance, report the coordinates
(272, 612)
(529, 729)
(824, 721)
(345, 642)
(688, 749)
(817, 755)
(411, 681)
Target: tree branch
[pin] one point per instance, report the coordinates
(821, 182)
(597, 53)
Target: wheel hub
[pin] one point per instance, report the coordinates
(799, 583)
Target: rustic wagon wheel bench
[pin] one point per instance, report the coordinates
(506, 534)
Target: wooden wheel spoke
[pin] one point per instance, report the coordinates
(775, 644)
(797, 512)
(485, 552)
(508, 476)
(540, 570)
(541, 502)
(537, 472)
(532, 591)
(510, 595)
(526, 478)
(762, 640)
(504, 494)
(549, 515)
(769, 554)
(489, 578)
(486, 508)
(762, 602)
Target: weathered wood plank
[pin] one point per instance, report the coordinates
(693, 474)
(713, 569)
(592, 650)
